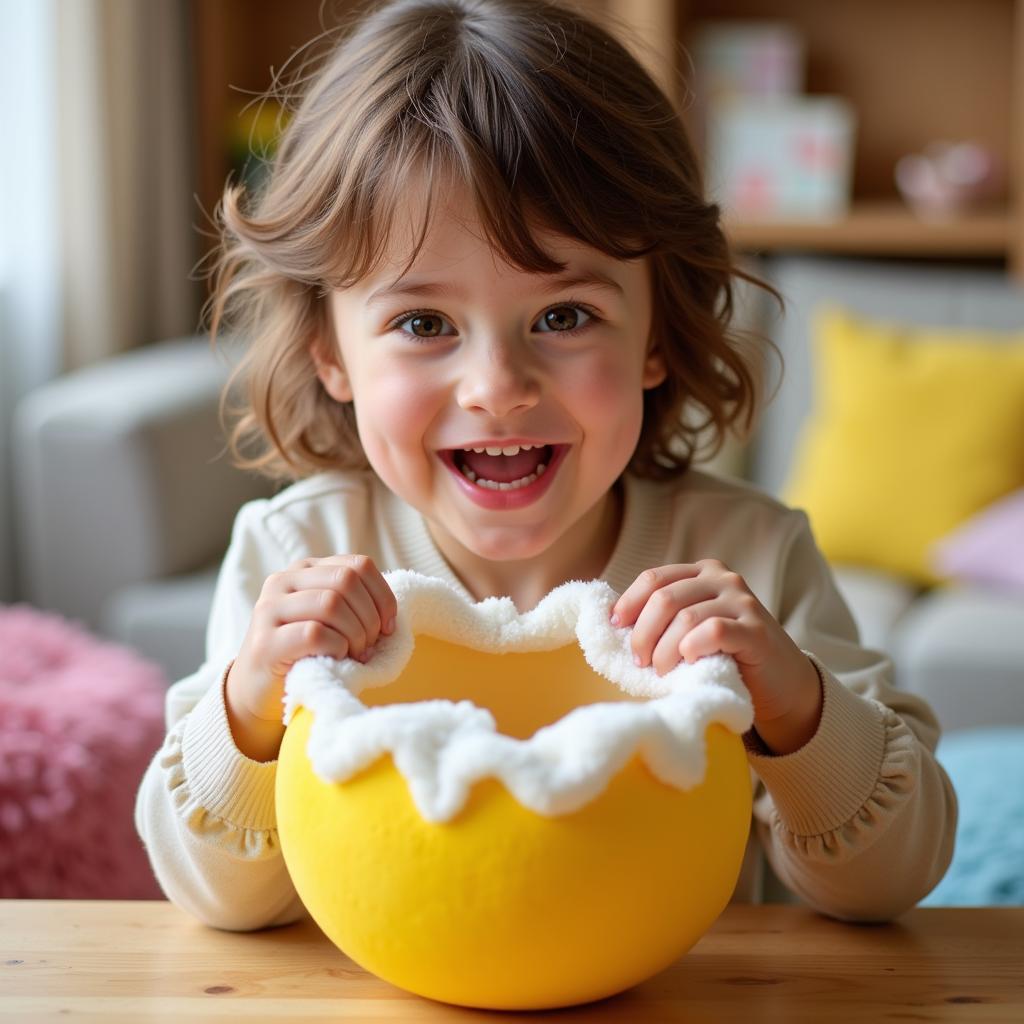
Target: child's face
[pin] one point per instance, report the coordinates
(489, 358)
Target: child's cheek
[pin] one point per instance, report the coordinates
(613, 395)
(608, 386)
(394, 412)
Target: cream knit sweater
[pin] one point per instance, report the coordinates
(859, 822)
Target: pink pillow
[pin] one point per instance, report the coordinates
(80, 719)
(988, 548)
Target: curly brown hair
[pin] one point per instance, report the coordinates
(550, 121)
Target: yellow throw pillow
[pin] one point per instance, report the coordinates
(913, 431)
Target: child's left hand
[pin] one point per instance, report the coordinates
(687, 611)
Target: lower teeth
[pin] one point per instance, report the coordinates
(496, 485)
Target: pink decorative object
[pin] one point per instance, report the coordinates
(80, 719)
(988, 548)
(947, 178)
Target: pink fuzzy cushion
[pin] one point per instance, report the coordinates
(988, 549)
(80, 719)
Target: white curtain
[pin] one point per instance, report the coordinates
(96, 201)
(125, 175)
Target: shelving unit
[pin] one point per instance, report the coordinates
(915, 71)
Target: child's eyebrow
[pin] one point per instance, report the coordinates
(415, 286)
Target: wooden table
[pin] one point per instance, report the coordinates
(133, 961)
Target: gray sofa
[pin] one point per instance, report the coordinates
(962, 647)
(126, 497)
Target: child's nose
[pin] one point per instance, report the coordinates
(499, 382)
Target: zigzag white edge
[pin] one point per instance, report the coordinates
(442, 747)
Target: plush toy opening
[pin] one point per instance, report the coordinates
(525, 691)
(550, 702)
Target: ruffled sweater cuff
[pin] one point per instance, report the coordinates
(824, 784)
(221, 779)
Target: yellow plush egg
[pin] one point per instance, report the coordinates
(501, 810)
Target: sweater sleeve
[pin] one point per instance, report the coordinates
(204, 811)
(860, 821)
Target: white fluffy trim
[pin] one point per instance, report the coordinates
(442, 748)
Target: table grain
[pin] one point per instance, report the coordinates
(115, 962)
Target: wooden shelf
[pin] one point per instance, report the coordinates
(883, 228)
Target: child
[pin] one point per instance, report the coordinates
(479, 286)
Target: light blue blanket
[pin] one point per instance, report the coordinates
(987, 769)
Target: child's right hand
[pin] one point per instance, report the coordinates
(337, 606)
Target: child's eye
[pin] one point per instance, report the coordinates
(425, 323)
(564, 318)
(561, 319)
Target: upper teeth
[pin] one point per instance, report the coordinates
(513, 450)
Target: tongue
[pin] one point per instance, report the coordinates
(505, 468)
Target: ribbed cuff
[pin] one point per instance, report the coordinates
(823, 784)
(221, 778)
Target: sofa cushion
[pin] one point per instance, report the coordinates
(165, 620)
(877, 601)
(910, 292)
(962, 649)
(988, 548)
(122, 475)
(915, 430)
(80, 719)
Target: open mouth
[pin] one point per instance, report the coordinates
(503, 472)
(501, 482)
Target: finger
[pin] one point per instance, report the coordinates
(380, 593)
(312, 577)
(635, 597)
(339, 574)
(328, 607)
(661, 609)
(715, 635)
(296, 640)
(352, 588)
(667, 650)
(313, 574)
